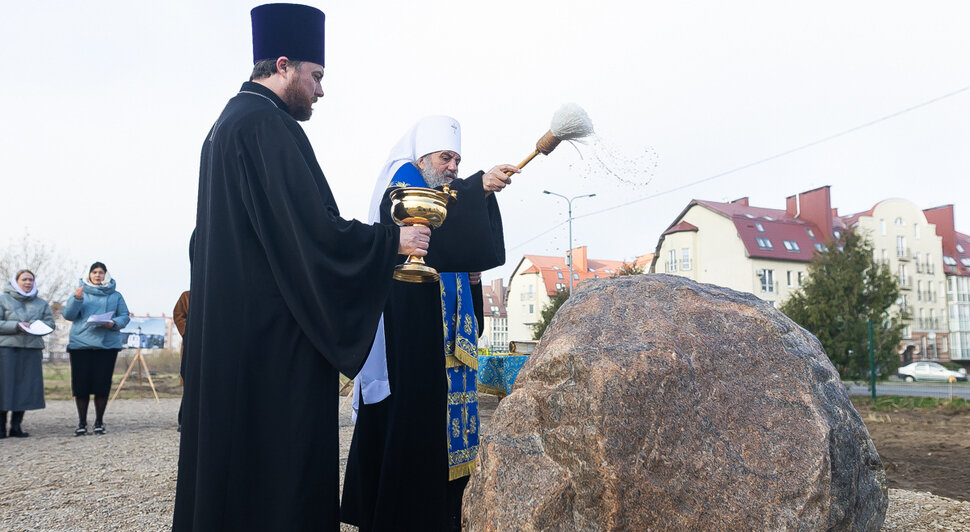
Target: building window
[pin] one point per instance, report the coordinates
(820, 247)
(800, 278)
(767, 281)
(685, 258)
(764, 243)
(916, 231)
(960, 248)
(811, 234)
(672, 261)
(791, 245)
(759, 227)
(559, 275)
(789, 278)
(898, 221)
(902, 275)
(575, 276)
(560, 286)
(901, 247)
(531, 309)
(882, 227)
(949, 261)
(837, 233)
(494, 309)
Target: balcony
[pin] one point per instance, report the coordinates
(903, 254)
(905, 283)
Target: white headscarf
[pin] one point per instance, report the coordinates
(428, 135)
(16, 286)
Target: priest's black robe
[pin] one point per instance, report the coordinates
(397, 470)
(284, 293)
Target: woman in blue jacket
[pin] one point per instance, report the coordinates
(99, 313)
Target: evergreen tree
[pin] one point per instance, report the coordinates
(629, 268)
(845, 288)
(548, 311)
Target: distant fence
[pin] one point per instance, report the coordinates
(893, 386)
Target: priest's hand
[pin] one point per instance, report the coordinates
(414, 240)
(499, 177)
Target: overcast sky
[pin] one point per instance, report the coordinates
(106, 104)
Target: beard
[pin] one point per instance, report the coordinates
(434, 178)
(300, 103)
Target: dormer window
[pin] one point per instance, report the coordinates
(791, 245)
(759, 227)
(764, 243)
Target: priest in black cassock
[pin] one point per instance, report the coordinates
(284, 294)
(416, 434)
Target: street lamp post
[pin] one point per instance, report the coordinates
(569, 206)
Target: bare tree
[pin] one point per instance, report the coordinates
(56, 274)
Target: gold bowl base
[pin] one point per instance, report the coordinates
(416, 273)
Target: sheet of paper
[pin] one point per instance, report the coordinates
(98, 319)
(37, 328)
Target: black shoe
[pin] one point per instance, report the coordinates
(16, 432)
(81, 430)
(99, 428)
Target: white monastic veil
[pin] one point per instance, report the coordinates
(430, 134)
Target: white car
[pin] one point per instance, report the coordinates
(930, 371)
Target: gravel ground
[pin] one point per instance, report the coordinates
(125, 479)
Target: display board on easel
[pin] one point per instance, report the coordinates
(142, 333)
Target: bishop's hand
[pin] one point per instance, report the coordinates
(499, 177)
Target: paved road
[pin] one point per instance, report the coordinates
(912, 389)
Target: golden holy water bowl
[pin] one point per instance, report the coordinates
(419, 206)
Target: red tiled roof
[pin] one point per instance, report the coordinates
(776, 227)
(953, 241)
(490, 299)
(551, 267)
(681, 227)
(962, 267)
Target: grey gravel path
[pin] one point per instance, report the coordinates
(125, 479)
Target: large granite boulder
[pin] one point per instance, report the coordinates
(657, 403)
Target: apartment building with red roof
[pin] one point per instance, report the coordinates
(956, 268)
(752, 249)
(766, 252)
